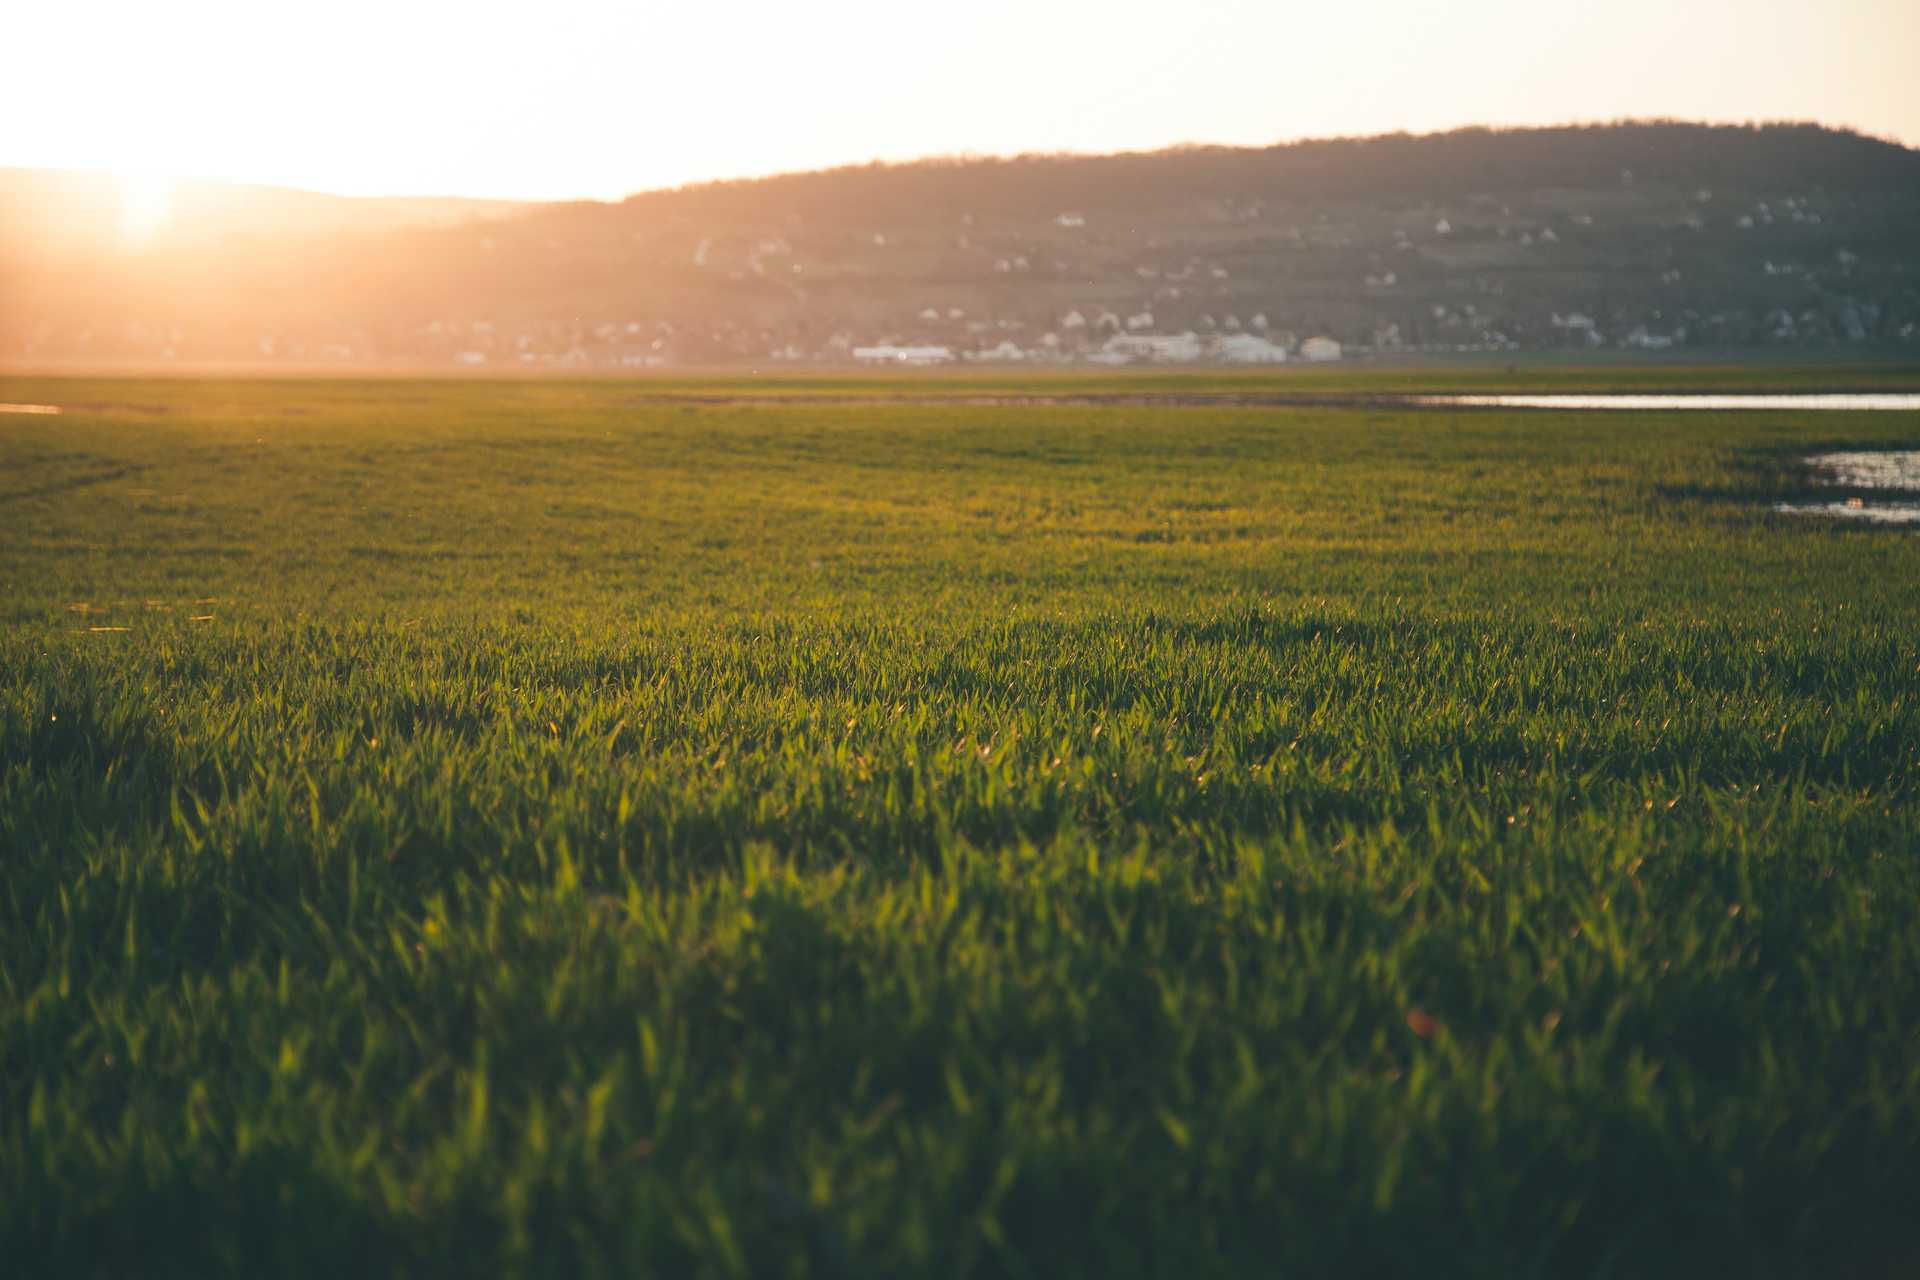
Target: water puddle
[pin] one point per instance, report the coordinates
(1856, 509)
(1884, 402)
(1892, 472)
(29, 408)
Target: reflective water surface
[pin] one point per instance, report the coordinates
(1871, 512)
(1897, 471)
(1883, 401)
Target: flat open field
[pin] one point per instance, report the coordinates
(573, 828)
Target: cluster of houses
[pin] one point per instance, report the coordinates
(947, 335)
(1185, 308)
(1109, 338)
(1120, 349)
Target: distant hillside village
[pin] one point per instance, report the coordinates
(1627, 238)
(1104, 340)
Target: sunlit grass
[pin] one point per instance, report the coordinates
(513, 828)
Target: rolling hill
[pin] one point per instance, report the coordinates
(1639, 235)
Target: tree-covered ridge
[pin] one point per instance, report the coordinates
(1642, 235)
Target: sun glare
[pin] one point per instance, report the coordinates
(145, 202)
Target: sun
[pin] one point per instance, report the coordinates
(146, 202)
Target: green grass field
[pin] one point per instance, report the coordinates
(534, 828)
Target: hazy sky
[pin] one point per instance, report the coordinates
(600, 98)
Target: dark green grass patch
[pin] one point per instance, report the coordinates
(461, 829)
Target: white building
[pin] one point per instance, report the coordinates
(1153, 348)
(890, 354)
(1247, 348)
(1320, 349)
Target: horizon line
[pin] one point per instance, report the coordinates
(961, 157)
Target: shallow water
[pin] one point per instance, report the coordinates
(1894, 470)
(1890, 469)
(1879, 401)
(1871, 512)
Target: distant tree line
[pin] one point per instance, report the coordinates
(1431, 166)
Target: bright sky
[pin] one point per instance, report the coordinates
(606, 97)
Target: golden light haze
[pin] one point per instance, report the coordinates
(145, 201)
(577, 98)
